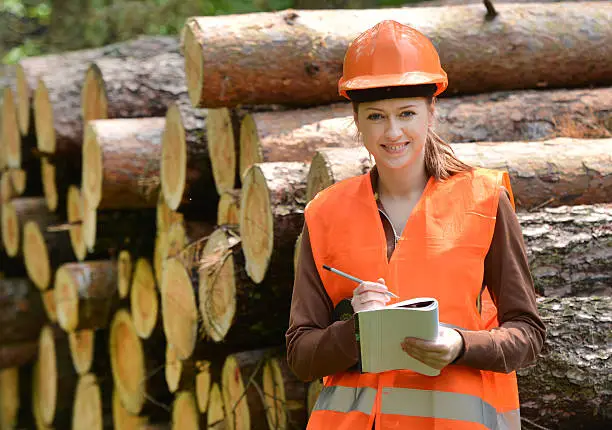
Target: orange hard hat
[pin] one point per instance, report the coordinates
(391, 54)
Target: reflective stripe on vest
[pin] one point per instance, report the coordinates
(418, 403)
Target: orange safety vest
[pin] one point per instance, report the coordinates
(440, 254)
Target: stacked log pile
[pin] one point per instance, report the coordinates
(153, 195)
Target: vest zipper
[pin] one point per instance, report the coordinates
(396, 237)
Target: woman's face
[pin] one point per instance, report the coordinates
(394, 130)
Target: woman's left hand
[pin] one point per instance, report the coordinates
(438, 353)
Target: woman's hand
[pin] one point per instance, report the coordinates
(369, 296)
(438, 353)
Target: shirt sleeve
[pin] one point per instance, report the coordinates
(317, 345)
(520, 336)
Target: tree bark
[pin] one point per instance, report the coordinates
(19, 354)
(567, 387)
(16, 214)
(121, 159)
(85, 294)
(22, 315)
(186, 172)
(63, 76)
(554, 172)
(271, 218)
(314, 44)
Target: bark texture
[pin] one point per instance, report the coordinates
(22, 315)
(232, 64)
(569, 385)
(18, 354)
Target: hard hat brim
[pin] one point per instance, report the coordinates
(395, 80)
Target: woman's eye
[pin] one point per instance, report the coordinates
(375, 116)
(407, 114)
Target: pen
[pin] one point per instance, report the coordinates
(352, 278)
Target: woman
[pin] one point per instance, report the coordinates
(421, 223)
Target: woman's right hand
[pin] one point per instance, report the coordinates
(369, 296)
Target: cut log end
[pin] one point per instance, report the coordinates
(90, 224)
(217, 286)
(144, 299)
(48, 183)
(228, 209)
(11, 235)
(215, 415)
(9, 397)
(18, 180)
(87, 411)
(36, 256)
(124, 277)
(179, 309)
(234, 399)
(122, 419)
(43, 119)
(48, 299)
(173, 159)
(256, 224)
(202, 385)
(93, 95)
(75, 218)
(319, 176)
(250, 148)
(127, 362)
(222, 148)
(165, 216)
(185, 413)
(274, 395)
(173, 369)
(66, 299)
(11, 136)
(23, 100)
(194, 66)
(47, 381)
(91, 180)
(7, 192)
(81, 343)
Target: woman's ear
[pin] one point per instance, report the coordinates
(432, 111)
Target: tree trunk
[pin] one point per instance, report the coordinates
(554, 172)
(16, 214)
(44, 252)
(19, 354)
(131, 87)
(57, 104)
(284, 395)
(85, 294)
(22, 315)
(315, 42)
(569, 249)
(234, 310)
(186, 172)
(567, 387)
(121, 163)
(271, 217)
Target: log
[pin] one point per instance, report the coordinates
(85, 294)
(56, 380)
(57, 176)
(186, 173)
(202, 384)
(122, 419)
(555, 172)
(44, 252)
(228, 210)
(185, 414)
(144, 299)
(22, 315)
(11, 137)
(567, 387)
(235, 311)
(242, 400)
(124, 273)
(180, 374)
(135, 367)
(87, 409)
(223, 136)
(164, 215)
(216, 418)
(284, 395)
(15, 215)
(121, 163)
(15, 389)
(82, 345)
(19, 354)
(74, 212)
(48, 299)
(57, 97)
(271, 217)
(130, 87)
(569, 250)
(313, 46)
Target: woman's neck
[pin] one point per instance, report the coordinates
(400, 184)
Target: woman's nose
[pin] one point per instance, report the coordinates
(393, 131)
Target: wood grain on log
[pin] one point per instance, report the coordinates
(11, 137)
(223, 136)
(216, 418)
(121, 163)
(227, 59)
(22, 315)
(87, 409)
(202, 384)
(185, 414)
(9, 397)
(81, 344)
(48, 299)
(284, 395)
(144, 300)
(180, 374)
(124, 273)
(15, 215)
(228, 210)
(567, 388)
(44, 252)
(57, 176)
(271, 217)
(85, 294)
(122, 418)
(186, 171)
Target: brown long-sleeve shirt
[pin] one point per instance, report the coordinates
(318, 346)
